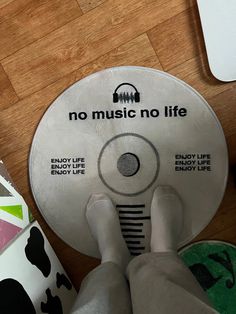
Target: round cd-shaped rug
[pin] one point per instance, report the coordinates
(124, 131)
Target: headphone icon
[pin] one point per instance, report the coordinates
(125, 96)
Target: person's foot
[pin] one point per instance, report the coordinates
(166, 219)
(104, 224)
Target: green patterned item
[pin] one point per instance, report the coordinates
(213, 263)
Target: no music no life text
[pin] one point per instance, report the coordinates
(124, 113)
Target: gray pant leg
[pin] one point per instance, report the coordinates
(161, 284)
(104, 291)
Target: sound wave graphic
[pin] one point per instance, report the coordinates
(126, 97)
(132, 223)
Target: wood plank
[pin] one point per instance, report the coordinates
(137, 52)
(27, 113)
(83, 40)
(3, 3)
(225, 217)
(231, 141)
(178, 39)
(7, 93)
(87, 5)
(24, 21)
(196, 73)
(10, 8)
(224, 107)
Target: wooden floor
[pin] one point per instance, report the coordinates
(46, 45)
